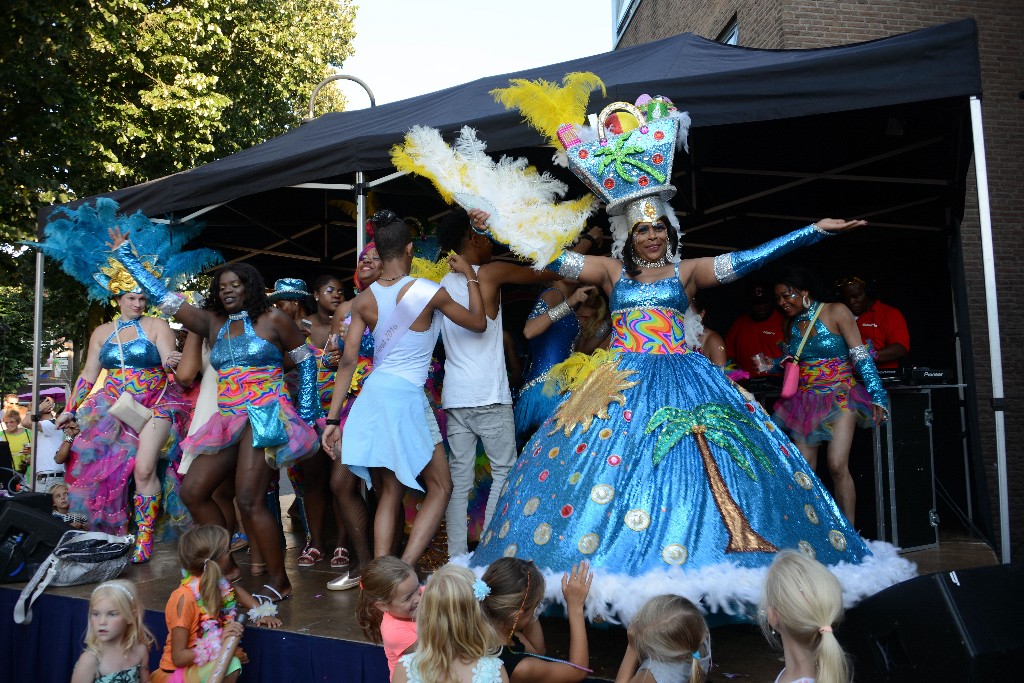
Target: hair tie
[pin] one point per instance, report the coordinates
(825, 629)
(481, 590)
(360, 584)
(696, 654)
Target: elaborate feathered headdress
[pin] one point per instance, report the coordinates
(524, 207)
(77, 239)
(626, 161)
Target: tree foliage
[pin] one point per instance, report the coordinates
(101, 94)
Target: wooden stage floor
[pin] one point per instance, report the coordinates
(740, 651)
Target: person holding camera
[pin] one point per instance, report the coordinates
(49, 438)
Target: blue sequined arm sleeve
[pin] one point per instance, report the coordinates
(731, 267)
(309, 393)
(865, 367)
(165, 300)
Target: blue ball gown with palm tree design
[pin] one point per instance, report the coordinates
(667, 478)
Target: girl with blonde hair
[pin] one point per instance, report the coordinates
(456, 644)
(801, 603)
(668, 641)
(117, 642)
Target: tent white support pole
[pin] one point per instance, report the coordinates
(324, 186)
(186, 219)
(388, 178)
(992, 308)
(360, 212)
(37, 345)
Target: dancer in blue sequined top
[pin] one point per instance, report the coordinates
(256, 429)
(829, 402)
(552, 329)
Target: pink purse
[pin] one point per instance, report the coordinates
(791, 370)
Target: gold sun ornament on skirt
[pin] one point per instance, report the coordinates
(591, 398)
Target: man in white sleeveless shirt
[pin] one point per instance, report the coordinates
(476, 395)
(391, 428)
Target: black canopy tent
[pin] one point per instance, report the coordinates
(879, 130)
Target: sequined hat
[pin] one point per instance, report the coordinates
(288, 288)
(634, 166)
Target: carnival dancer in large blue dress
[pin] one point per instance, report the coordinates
(256, 428)
(655, 469)
(137, 352)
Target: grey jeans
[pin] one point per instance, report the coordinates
(495, 427)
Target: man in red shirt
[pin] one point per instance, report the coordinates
(882, 327)
(759, 330)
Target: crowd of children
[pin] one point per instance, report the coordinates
(458, 628)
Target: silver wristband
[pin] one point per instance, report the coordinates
(571, 265)
(300, 353)
(170, 303)
(558, 312)
(724, 272)
(859, 353)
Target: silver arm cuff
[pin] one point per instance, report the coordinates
(724, 272)
(570, 265)
(170, 303)
(859, 353)
(558, 312)
(300, 353)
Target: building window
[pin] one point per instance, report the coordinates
(730, 35)
(622, 11)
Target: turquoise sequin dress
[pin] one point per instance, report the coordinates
(666, 479)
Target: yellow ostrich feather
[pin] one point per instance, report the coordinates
(546, 105)
(571, 372)
(429, 270)
(404, 158)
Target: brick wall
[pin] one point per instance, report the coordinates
(793, 24)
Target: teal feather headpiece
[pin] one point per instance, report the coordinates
(77, 239)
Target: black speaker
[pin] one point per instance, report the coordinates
(27, 537)
(40, 502)
(949, 626)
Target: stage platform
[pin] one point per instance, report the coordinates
(320, 640)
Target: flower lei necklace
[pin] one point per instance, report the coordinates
(207, 645)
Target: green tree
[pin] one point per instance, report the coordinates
(101, 94)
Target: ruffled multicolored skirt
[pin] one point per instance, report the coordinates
(102, 459)
(827, 389)
(255, 397)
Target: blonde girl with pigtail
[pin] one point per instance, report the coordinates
(202, 613)
(456, 644)
(669, 642)
(117, 642)
(802, 602)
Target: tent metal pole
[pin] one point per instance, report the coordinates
(37, 343)
(360, 212)
(992, 308)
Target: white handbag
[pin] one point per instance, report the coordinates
(126, 409)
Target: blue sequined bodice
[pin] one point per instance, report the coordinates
(552, 346)
(245, 350)
(138, 353)
(365, 344)
(820, 345)
(631, 294)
